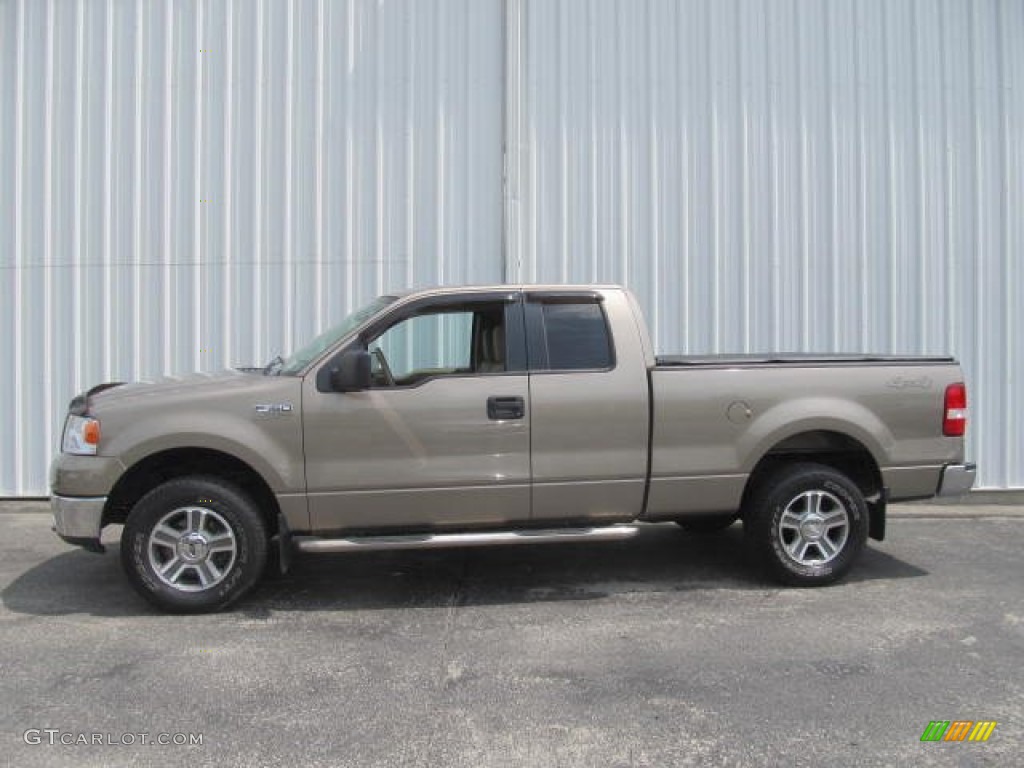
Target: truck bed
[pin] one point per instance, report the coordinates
(710, 428)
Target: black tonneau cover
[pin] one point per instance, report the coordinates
(798, 359)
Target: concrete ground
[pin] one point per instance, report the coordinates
(666, 650)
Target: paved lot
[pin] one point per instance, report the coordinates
(667, 650)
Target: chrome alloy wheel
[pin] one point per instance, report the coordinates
(192, 549)
(813, 528)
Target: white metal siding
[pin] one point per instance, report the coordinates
(190, 185)
(786, 176)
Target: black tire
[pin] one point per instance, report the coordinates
(219, 554)
(795, 521)
(704, 524)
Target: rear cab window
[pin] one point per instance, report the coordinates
(568, 333)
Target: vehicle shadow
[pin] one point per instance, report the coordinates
(661, 558)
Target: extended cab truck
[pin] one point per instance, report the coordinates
(496, 415)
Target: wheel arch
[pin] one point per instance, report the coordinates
(161, 466)
(832, 448)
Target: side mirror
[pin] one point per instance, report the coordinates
(352, 374)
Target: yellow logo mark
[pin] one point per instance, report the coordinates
(982, 730)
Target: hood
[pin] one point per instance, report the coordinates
(172, 387)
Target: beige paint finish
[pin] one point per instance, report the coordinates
(219, 412)
(84, 475)
(423, 456)
(590, 429)
(673, 496)
(696, 440)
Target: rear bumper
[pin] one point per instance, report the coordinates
(78, 520)
(957, 479)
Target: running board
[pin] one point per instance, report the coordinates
(448, 540)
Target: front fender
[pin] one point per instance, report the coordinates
(275, 453)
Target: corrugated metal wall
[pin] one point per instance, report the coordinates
(189, 185)
(786, 176)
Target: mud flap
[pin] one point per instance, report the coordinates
(284, 544)
(876, 516)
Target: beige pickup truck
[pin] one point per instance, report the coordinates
(483, 416)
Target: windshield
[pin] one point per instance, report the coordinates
(303, 357)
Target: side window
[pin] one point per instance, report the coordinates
(448, 342)
(577, 336)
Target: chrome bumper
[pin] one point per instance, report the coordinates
(78, 520)
(957, 479)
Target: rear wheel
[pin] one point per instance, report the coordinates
(807, 523)
(194, 544)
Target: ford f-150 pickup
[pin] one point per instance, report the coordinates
(484, 416)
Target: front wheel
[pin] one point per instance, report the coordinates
(194, 544)
(808, 523)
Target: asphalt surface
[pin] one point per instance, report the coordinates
(666, 650)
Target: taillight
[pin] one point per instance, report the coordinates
(954, 422)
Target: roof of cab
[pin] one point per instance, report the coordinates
(529, 287)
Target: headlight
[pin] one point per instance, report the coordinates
(81, 435)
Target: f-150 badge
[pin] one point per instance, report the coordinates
(272, 408)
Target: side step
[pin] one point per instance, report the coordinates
(448, 540)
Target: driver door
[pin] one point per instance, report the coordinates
(442, 437)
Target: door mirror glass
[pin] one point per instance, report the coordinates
(352, 373)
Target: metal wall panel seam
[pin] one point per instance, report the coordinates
(442, 163)
(289, 159)
(510, 75)
(379, 167)
(862, 202)
(79, 180)
(832, 153)
(922, 331)
(318, 194)
(1011, 437)
(410, 149)
(652, 156)
(980, 351)
(165, 292)
(47, 325)
(195, 258)
(229, 354)
(137, 193)
(257, 192)
(351, 214)
(108, 142)
(19, 186)
(774, 171)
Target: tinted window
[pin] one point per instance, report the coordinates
(441, 342)
(577, 336)
(434, 344)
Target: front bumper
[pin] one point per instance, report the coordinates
(78, 520)
(957, 479)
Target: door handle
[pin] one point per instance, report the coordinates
(505, 408)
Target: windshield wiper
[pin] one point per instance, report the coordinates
(274, 366)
